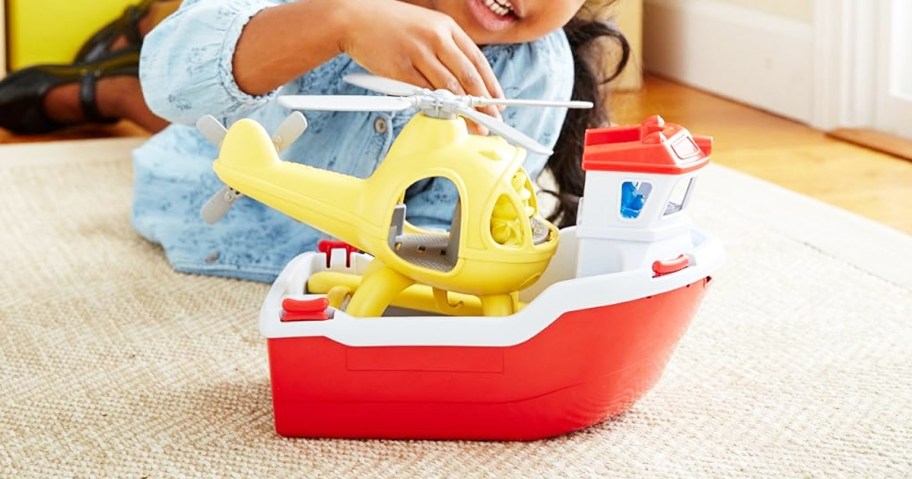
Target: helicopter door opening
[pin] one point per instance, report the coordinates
(430, 249)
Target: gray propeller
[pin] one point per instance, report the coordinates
(218, 204)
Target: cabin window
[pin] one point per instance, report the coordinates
(686, 148)
(679, 196)
(633, 196)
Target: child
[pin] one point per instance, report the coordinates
(232, 58)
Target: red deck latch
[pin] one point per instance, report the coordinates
(326, 246)
(305, 309)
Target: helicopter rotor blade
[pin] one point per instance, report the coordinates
(219, 204)
(383, 85)
(212, 129)
(345, 102)
(481, 101)
(289, 131)
(506, 131)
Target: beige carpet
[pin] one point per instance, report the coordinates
(111, 365)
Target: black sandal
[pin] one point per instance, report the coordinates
(22, 93)
(127, 25)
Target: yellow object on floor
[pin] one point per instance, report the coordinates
(51, 31)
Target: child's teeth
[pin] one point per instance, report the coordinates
(500, 7)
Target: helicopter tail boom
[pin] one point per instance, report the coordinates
(249, 163)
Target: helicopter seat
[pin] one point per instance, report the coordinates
(435, 251)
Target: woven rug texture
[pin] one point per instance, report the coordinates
(798, 364)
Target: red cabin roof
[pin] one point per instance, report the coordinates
(652, 147)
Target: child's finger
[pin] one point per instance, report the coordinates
(463, 70)
(476, 129)
(480, 64)
(440, 74)
(458, 74)
(411, 76)
(491, 110)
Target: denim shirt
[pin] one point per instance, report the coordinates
(186, 73)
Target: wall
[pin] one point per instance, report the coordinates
(760, 53)
(629, 17)
(2, 39)
(628, 14)
(800, 10)
(51, 31)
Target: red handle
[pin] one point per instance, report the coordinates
(663, 267)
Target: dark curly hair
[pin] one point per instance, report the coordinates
(589, 61)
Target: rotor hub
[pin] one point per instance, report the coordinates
(440, 104)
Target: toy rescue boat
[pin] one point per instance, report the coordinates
(589, 338)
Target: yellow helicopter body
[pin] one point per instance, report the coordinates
(501, 242)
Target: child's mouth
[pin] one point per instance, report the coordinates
(493, 15)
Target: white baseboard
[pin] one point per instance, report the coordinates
(755, 58)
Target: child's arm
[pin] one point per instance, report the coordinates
(387, 37)
(226, 57)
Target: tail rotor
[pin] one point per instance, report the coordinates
(221, 202)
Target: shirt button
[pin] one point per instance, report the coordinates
(380, 125)
(212, 257)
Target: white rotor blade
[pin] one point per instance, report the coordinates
(383, 85)
(345, 102)
(212, 129)
(478, 101)
(219, 204)
(506, 131)
(289, 131)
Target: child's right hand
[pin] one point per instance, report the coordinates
(420, 46)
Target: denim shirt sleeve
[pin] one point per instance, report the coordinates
(542, 69)
(539, 70)
(186, 62)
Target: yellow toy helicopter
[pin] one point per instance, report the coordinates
(498, 242)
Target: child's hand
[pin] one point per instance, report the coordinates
(423, 47)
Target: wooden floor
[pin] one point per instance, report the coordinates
(872, 184)
(869, 183)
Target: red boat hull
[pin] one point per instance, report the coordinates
(587, 366)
